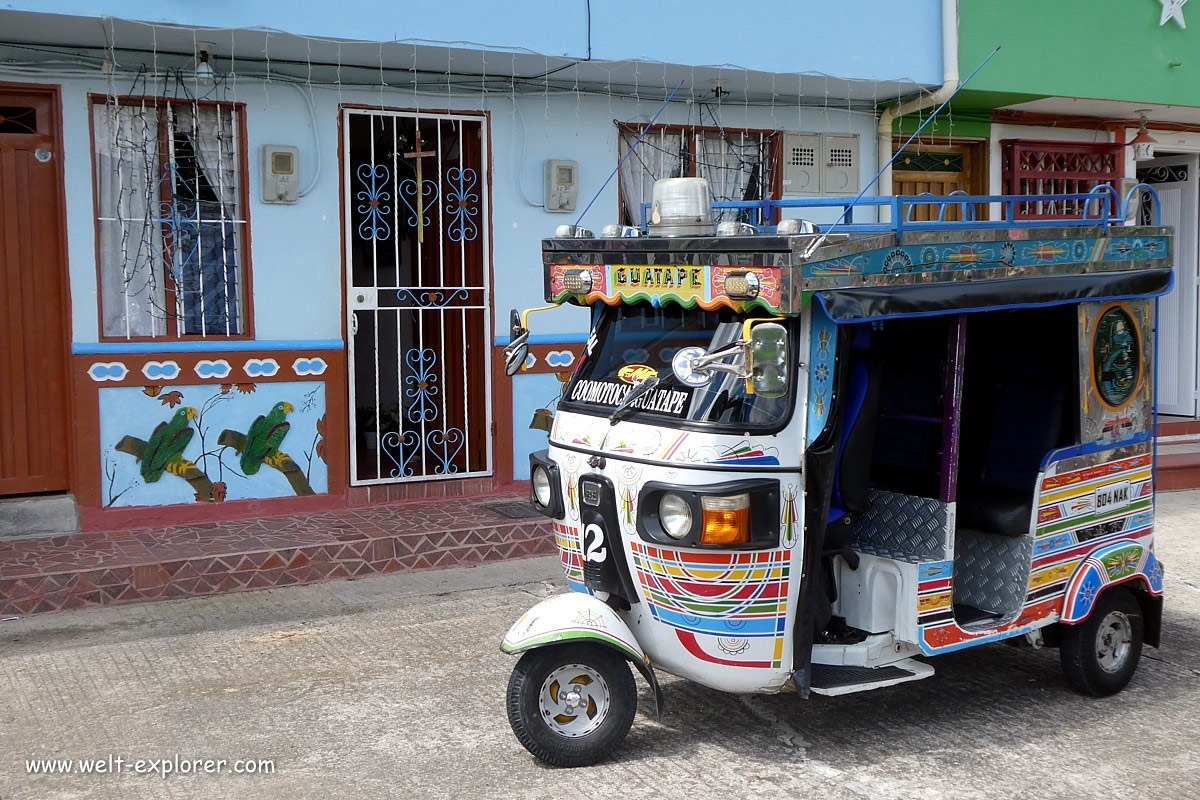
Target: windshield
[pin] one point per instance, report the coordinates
(634, 342)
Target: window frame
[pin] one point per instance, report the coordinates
(1012, 175)
(245, 276)
(772, 137)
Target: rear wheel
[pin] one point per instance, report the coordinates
(571, 705)
(1100, 654)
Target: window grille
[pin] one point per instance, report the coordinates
(738, 164)
(1031, 167)
(170, 218)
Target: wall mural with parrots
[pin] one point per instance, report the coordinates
(163, 445)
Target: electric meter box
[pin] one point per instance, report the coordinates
(280, 173)
(562, 185)
(820, 164)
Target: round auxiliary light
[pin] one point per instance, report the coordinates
(578, 281)
(541, 486)
(566, 231)
(731, 227)
(674, 515)
(616, 231)
(795, 227)
(741, 284)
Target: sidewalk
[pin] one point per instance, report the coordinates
(396, 686)
(101, 568)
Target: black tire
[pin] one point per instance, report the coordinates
(546, 736)
(1088, 649)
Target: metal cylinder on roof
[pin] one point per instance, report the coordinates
(681, 207)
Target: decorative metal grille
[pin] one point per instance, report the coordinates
(419, 299)
(930, 162)
(1031, 167)
(170, 218)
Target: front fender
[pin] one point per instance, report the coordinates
(575, 616)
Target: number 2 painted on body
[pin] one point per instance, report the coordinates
(593, 543)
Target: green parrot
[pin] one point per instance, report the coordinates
(164, 450)
(264, 437)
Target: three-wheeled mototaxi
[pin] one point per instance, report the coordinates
(788, 455)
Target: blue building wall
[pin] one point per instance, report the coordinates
(296, 249)
(848, 38)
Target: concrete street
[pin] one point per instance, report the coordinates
(394, 687)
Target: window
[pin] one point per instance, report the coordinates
(170, 218)
(641, 340)
(739, 165)
(1033, 167)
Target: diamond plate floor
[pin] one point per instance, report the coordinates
(100, 568)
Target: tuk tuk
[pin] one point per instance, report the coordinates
(816, 458)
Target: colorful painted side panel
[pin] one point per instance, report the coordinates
(686, 285)
(1116, 350)
(570, 552)
(1094, 527)
(994, 258)
(822, 349)
(725, 608)
(163, 445)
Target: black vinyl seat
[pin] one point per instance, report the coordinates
(1027, 423)
(853, 471)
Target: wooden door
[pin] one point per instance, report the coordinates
(35, 428)
(939, 167)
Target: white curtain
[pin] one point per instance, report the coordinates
(132, 297)
(210, 129)
(729, 160)
(658, 155)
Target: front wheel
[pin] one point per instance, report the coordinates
(1100, 654)
(570, 705)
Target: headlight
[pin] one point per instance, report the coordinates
(541, 487)
(674, 515)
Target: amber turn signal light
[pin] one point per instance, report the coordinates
(726, 519)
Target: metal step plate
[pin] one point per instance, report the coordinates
(831, 680)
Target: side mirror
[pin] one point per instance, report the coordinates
(769, 359)
(518, 345)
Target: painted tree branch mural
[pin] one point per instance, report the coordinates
(260, 445)
(184, 445)
(163, 452)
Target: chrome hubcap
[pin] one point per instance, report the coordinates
(1113, 641)
(573, 700)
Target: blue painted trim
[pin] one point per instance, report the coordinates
(1093, 447)
(1154, 388)
(204, 346)
(1049, 304)
(547, 338)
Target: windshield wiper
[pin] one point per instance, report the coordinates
(642, 388)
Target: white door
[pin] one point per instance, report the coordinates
(1175, 180)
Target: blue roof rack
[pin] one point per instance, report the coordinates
(1101, 206)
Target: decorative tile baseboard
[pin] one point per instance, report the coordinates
(91, 569)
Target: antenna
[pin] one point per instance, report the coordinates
(896, 154)
(629, 152)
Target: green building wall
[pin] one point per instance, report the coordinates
(1102, 49)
